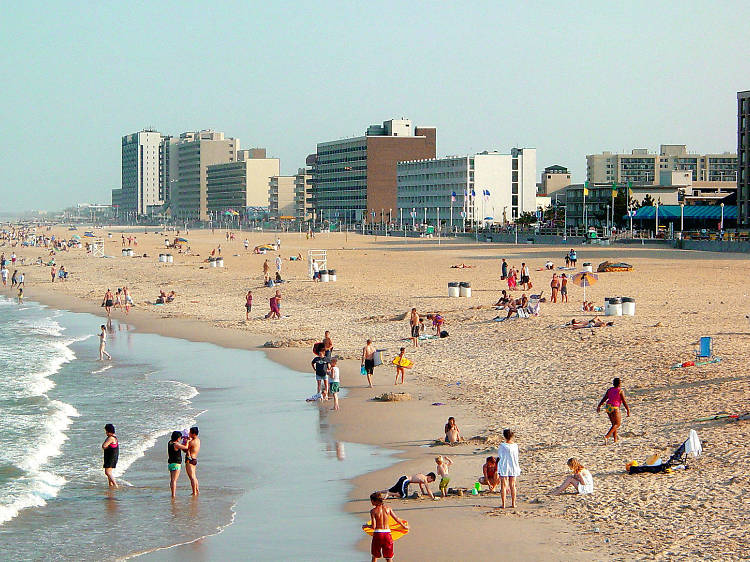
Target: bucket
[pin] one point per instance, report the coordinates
(453, 290)
(170, 258)
(613, 306)
(332, 275)
(219, 262)
(587, 267)
(163, 258)
(324, 276)
(464, 289)
(628, 306)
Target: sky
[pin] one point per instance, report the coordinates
(569, 80)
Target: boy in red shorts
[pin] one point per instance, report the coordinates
(382, 541)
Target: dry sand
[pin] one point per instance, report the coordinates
(532, 375)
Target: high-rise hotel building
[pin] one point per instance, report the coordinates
(140, 188)
(356, 177)
(743, 157)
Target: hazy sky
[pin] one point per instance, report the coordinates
(568, 80)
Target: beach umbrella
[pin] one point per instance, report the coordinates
(584, 279)
(76, 237)
(489, 218)
(88, 235)
(182, 240)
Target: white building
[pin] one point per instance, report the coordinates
(486, 187)
(140, 172)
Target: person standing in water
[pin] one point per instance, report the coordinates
(103, 343)
(174, 460)
(191, 458)
(111, 448)
(614, 398)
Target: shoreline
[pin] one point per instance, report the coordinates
(557, 536)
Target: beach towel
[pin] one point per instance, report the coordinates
(693, 444)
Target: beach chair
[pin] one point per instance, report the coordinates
(691, 446)
(705, 348)
(532, 309)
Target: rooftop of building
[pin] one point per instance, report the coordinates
(556, 168)
(664, 150)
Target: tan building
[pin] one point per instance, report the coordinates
(196, 151)
(281, 200)
(644, 167)
(743, 163)
(554, 178)
(240, 184)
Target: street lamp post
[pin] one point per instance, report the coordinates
(721, 224)
(682, 218)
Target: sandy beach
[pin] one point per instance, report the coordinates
(534, 375)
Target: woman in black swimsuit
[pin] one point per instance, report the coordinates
(111, 447)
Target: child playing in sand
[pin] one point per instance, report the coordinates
(400, 360)
(508, 467)
(382, 541)
(443, 464)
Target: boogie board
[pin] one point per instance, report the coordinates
(397, 531)
(402, 362)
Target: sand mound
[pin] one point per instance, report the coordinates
(393, 397)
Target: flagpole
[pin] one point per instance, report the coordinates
(438, 223)
(451, 222)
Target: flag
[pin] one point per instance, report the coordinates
(630, 190)
(614, 193)
(473, 193)
(488, 193)
(453, 196)
(585, 191)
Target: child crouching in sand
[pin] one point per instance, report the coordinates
(443, 464)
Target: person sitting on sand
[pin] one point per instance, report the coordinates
(614, 398)
(443, 464)
(588, 306)
(490, 477)
(518, 304)
(171, 296)
(504, 299)
(549, 265)
(461, 266)
(452, 433)
(581, 479)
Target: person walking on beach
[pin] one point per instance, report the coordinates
(266, 270)
(334, 383)
(368, 361)
(21, 280)
(401, 363)
(103, 343)
(564, 288)
(414, 326)
(277, 262)
(507, 467)
(108, 301)
(191, 458)
(316, 271)
(275, 305)
(320, 366)
(504, 270)
(327, 345)
(614, 398)
(380, 515)
(174, 460)
(573, 257)
(525, 277)
(111, 448)
(14, 279)
(248, 304)
(128, 299)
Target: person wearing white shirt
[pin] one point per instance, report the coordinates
(507, 467)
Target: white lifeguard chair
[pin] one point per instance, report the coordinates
(320, 258)
(97, 248)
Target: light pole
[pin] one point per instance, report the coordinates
(656, 217)
(682, 218)
(721, 224)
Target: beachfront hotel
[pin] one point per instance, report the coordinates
(743, 157)
(196, 151)
(240, 184)
(281, 201)
(303, 207)
(484, 187)
(643, 167)
(140, 174)
(355, 178)
(554, 178)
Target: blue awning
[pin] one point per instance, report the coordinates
(697, 212)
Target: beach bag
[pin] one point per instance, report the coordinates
(444, 334)
(531, 285)
(362, 370)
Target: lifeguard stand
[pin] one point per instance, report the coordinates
(320, 257)
(97, 248)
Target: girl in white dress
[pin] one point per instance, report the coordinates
(581, 479)
(507, 467)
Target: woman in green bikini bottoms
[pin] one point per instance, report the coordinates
(174, 459)
(614, 398)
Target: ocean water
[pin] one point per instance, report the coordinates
(273, 479)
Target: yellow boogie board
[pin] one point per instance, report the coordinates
(397, 531)
(399, 362)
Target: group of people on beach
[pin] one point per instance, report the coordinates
(180, 442)
(17, 280)
(515, 276)
(120, 299)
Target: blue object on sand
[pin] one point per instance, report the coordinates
(704, 348)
